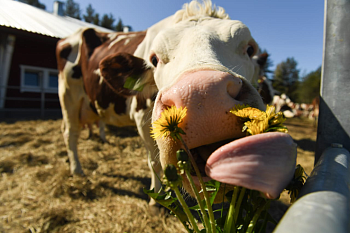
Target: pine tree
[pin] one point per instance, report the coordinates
(310, 86)
(107, 21)
(72, 9)
(90, 14)
(96, 19)
(120, 26)
(286, 78)
(35, 3)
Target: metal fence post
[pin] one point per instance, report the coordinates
(334, 118)
(324, 202)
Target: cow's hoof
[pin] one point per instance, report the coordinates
(78, 172)
(105, 141)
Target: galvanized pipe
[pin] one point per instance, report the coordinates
(334, 118)
(323, 204)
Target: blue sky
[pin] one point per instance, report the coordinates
(285, 28)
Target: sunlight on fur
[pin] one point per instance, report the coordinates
(196, 10)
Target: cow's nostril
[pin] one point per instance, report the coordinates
(234, 86)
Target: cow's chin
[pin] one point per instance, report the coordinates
(200, 154)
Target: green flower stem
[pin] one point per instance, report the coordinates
(231, 211)
(186, 209)
(174, 211)
(200, 203)
(265, 219)
(255, 218)
(206, 195)
(238, 204)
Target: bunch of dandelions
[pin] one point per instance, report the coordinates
(168, 125)
(255, 122)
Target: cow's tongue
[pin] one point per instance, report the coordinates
(263, 162)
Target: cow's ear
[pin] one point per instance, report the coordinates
(125, 73)
(91, 40)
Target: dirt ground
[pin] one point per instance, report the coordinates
(37, 193)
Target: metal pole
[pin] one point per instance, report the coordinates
(323, 203)
(334, 118)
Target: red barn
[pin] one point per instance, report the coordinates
(28, 67)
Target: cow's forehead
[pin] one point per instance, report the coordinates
(224, 30)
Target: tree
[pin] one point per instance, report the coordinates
(107, 21)
(120, 26)
(286, 78)
(310, 86)
(268, 63)
(35, 3)
(96, 19)
(72, 9)
(90, 14)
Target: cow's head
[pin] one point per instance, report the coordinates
(202, 60)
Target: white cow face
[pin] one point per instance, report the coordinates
(212, 44)
(206, 66)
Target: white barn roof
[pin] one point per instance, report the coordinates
(25, 17)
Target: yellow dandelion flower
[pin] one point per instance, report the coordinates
(256, 127)
(244, 111)
(167, 124)
(257, 121)
(270, 112)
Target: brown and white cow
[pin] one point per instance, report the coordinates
(197, 58)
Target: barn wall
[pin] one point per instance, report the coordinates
(30, 50)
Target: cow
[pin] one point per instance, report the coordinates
(315, 106)
(284, 104)
(197, 58)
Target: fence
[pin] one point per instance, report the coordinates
(324, 202)
(42, 101)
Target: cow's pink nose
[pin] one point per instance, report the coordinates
(198, 87)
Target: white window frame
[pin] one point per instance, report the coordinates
(43, 79)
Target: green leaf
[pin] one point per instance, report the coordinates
(164, 199)
(133, 83)
(169, 202)
(213, 187)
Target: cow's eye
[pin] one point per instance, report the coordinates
(154, 60)
(250, 50)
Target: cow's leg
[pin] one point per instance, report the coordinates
(102, 126)
(90, 131)
(63, 126)
(143, 123)
(71, 136)
(71, 127)
(71, 140)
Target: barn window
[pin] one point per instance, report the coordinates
(38, 79)
(53, 80)
(32, 79)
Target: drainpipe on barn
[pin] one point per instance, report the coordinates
(324, 202)
(7, 44)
